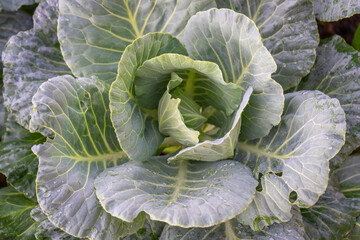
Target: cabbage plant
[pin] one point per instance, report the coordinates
(169, 119)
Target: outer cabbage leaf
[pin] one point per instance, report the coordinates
(17, 161)
(336, 73)
(348, 176)
(332, 217)
(13, 5)
(15, 220)
(294, 157)
(30, 58)
(150, 231)
(221, 148)
(137, 131)
(233, 41)
(10, 24)
(333, 10)
(95, 33)
(292, 230)
(355, 233)
(2, 110)
(186, 194)
(85, 144)
(45, 230)
(289, 32)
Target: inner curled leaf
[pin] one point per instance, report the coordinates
(180, 88)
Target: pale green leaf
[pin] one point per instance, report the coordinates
(336, 73)
(333, 10)
(15, 220)
(17, 162)
(136, 129)
(170, 118)
(95, 33)
(203, 82)
(84, 145)
(289, 32)
(186, 194)
(233, 41)
(31, 58)
(333, 216)
(231, 230)
(13, 5)
(349, 176)
(45, 230)
(294, 157)
(222, 147)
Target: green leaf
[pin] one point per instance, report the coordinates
(289, 32)
(30, 58)
(356, 39)
(292, 230)
(186, 194)
(355, 233)
(332, 217)
(333, 10)
(170, 119)
(2, 110)
(294, 157)
(94, 33)
(348, 176)
(15, 220)
(13, 5)
(221, 148)
(233, 41)
(45, 230)
(203, 82)
(336, 73)
(150, 231)
(136, 129)
(84, 145)
(10, 24)
(17, 161)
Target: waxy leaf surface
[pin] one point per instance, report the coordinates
(186, 194)
(45, 230)
(31, 58)
(233, 41)
(15, 220)
(348, 176)
(332, 217)
(333, 10)
(95, 33)
(289, 32)
(294, 157)
(17, 162)
(13, 5)
(84, 145)
(336, 73)
(292, 230)
(137, 130)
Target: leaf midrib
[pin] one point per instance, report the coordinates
(181, 178)
(258, 151)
